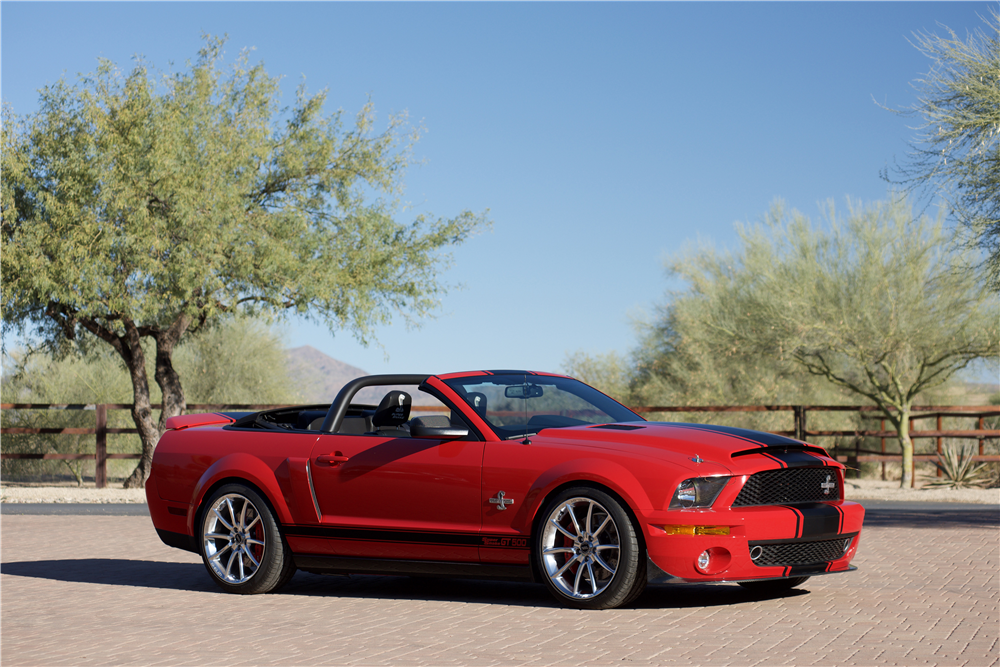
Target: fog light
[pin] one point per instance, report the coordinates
(713, 560)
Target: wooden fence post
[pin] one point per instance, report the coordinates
(939, 473)
(101, 449)
(800, 422)
(982, 441)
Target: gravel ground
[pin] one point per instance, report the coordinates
(857, 489)
(70, 494)
(876, 489)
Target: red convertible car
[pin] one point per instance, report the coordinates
(497, 474)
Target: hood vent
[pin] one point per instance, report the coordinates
(619, 427)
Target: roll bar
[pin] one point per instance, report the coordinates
(338, 409)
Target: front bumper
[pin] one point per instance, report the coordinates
(794, 540)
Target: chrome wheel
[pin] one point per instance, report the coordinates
(234, 538)
(580, 548)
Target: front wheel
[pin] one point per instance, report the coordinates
(241, 545)
(588, 550)
(773, 585)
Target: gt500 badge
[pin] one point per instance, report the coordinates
(508, 542)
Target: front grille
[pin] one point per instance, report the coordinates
(799, 553)
(789, 486)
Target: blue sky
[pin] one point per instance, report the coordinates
(602, 137)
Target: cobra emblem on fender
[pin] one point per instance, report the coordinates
(500, 501)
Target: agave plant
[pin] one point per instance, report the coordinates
(959, 470)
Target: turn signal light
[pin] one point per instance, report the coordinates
(696, 530)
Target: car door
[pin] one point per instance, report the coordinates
(510, 468)
(397, 497)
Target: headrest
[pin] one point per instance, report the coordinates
(478, 401)
(393, 410)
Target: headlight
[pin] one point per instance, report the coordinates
(697, 492)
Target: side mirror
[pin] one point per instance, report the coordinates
(418, 430)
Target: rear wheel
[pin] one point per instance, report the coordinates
(240, 543)
(588, 550)
(773, 585)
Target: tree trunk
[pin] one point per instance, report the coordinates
(142, 411)
(173, 396)
(167, 378)
(905, 444)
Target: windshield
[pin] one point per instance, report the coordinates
(516, 404)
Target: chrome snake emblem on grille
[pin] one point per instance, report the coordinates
(827, 485)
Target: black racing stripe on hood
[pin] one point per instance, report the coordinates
(795, 459)
(759, 437)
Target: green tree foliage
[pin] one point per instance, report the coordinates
(142, 206)
(876, 303)
(233, 361)
(608, 372)
(957, 149)
(236, 361)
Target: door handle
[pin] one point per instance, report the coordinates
(332, 459)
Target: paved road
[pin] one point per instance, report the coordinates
(86, 589)
(139, 509)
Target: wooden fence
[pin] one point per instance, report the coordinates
(101, 430)
(858, 454)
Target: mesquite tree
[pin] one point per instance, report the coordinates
(144, 206)
(877, 302)
(956, 152)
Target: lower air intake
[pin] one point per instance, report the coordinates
(799, 553)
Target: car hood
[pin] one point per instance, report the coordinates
(698, 447)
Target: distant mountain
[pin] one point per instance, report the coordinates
(317, 378)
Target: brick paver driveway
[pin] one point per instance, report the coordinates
(81, 590)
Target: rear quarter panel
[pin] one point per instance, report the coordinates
(187, 464)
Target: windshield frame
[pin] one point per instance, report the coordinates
(611, 411)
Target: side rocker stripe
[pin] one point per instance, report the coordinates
(408, 537)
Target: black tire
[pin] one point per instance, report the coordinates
(241, 544)
(773, 585)
(588, 551)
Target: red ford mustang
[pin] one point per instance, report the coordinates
(497, 474)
